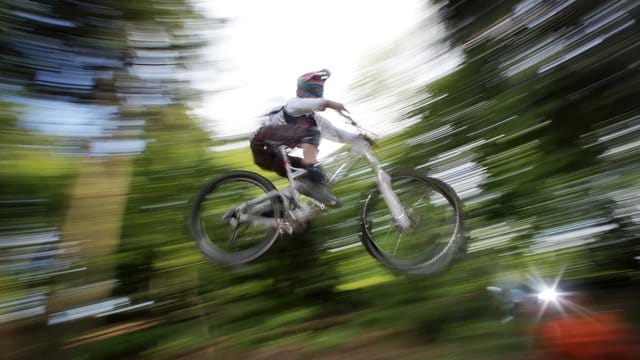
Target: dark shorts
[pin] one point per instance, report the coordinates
(268, 157)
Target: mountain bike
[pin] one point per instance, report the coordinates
(410, 222)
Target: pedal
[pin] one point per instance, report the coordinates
(317, 204)
(285, 227)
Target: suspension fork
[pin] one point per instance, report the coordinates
(383, 179)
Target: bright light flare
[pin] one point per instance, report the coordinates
(548, 295)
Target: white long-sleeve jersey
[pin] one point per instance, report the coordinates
(311, 106)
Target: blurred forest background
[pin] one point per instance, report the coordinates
(538, 130)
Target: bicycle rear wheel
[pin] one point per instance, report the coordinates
(436, 232)
(228, 224)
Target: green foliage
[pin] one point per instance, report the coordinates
(34, 177)
(541, 151)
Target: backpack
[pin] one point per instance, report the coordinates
(278, 115)
(274, 117)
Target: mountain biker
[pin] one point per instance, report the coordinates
(298, 124)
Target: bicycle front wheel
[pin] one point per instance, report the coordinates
(436, 231)
(232, 220)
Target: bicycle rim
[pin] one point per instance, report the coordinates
(436, 225)
(215, 226)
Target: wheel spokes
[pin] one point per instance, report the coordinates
(231, 227)
(433, 227)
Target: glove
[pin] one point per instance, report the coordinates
(372, 143)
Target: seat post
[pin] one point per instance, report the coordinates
(287, 162)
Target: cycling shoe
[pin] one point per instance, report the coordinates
(318, 191)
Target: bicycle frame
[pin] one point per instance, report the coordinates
(300, 212)
(383, 181)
